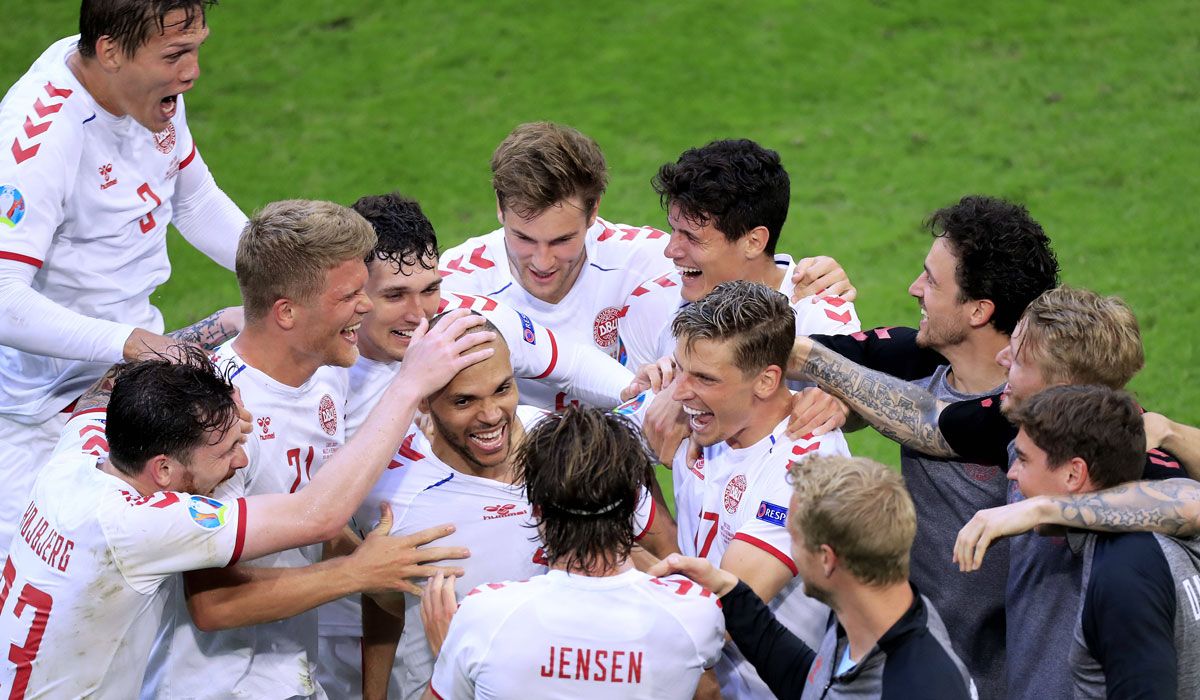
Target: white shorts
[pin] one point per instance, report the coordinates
(24, 450)
(339, 669)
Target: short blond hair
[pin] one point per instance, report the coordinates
(859, 508)
(1079, 337)
(287, 248)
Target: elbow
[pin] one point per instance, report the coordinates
(208, 616)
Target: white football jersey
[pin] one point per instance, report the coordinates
(618, 258)
(492, 519)
(580, 637)
(82, 591)
(743, 494)
(645, 325)
(85, 197)
(295, 430)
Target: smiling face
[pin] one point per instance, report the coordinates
(703, 256)
(717, 397)
(546, 250)
(1025, 376)
(400, 298)
(1032, 470)
(474, 416)
(327, 325)
(945, 319)
(147, 83)
(213, 462)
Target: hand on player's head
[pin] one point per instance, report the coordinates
(821, 275)
(699, 570)
(437, 354)
(815, 413)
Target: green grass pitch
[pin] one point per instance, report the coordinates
(1088, 112)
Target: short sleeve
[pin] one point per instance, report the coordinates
(646, 312)
(85, 433)
(643, 518)
(977, 430)
(828, 315)
(462, 651)
(170, 532)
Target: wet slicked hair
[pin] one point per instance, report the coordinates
(584, 471)
(166, 407)
(406, 237)
(130, 22)
(756, 318)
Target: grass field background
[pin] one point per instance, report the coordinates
(1088, 112)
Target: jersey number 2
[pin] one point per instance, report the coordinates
(147, 222)
(23, 656)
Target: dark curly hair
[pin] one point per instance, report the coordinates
(584, 471)
(129, 22)
(167, 407)
(406, 237)
(736, 184)
(1003, 254)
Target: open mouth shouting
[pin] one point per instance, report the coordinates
(168, 105)
(698, 419)
(491, 440)
(350, 333)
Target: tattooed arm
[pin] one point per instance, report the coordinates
(207, 333)
(902, 411)
(1170, 507)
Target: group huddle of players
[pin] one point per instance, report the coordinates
(397, 471)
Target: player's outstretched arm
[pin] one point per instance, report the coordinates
(897, 409)
(244, 595)
(1170, 507)
(319, 511)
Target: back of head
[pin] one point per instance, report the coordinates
(756, 318)
(405, 235)
(1101, 425)
(166, 407)
(859, 508)
(736, 185)
(288, 247)
(1080, 337)
(1003, 254)
(541, 164)
(130, 22)
(584, 472)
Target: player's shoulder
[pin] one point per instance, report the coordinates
(614, 246)
(691, 604)
(500, 597)
(478, 263)
(46, 120)
(660, 294)
(824, 313)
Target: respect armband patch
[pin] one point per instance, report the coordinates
(770, 513)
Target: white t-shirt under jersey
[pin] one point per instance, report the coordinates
(645, 325)
(295, 430)
(492, 519)
(85, 199)
(743, 494)
(579, 637)
(83, 591)
(618, 258)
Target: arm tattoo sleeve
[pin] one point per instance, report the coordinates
(208, 333)
(901, 411)
(98, 394)
(1170, 507)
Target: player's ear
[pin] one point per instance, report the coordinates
(109, 54)
(829, 560)
(160, 470)
(1076, 475)
(981, 312)
(283, 311)
(767, 382)
(754, 242)
(499, 210)
(591, 218)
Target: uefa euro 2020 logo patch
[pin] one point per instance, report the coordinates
(12, 206)
(207, 512)
(631, 406)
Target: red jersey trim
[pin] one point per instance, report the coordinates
(186, 161)
(553, 356)
(84, 412)
(785, 559)
(650, 521)
(436, 694)
(240, 539)
(17, 257)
